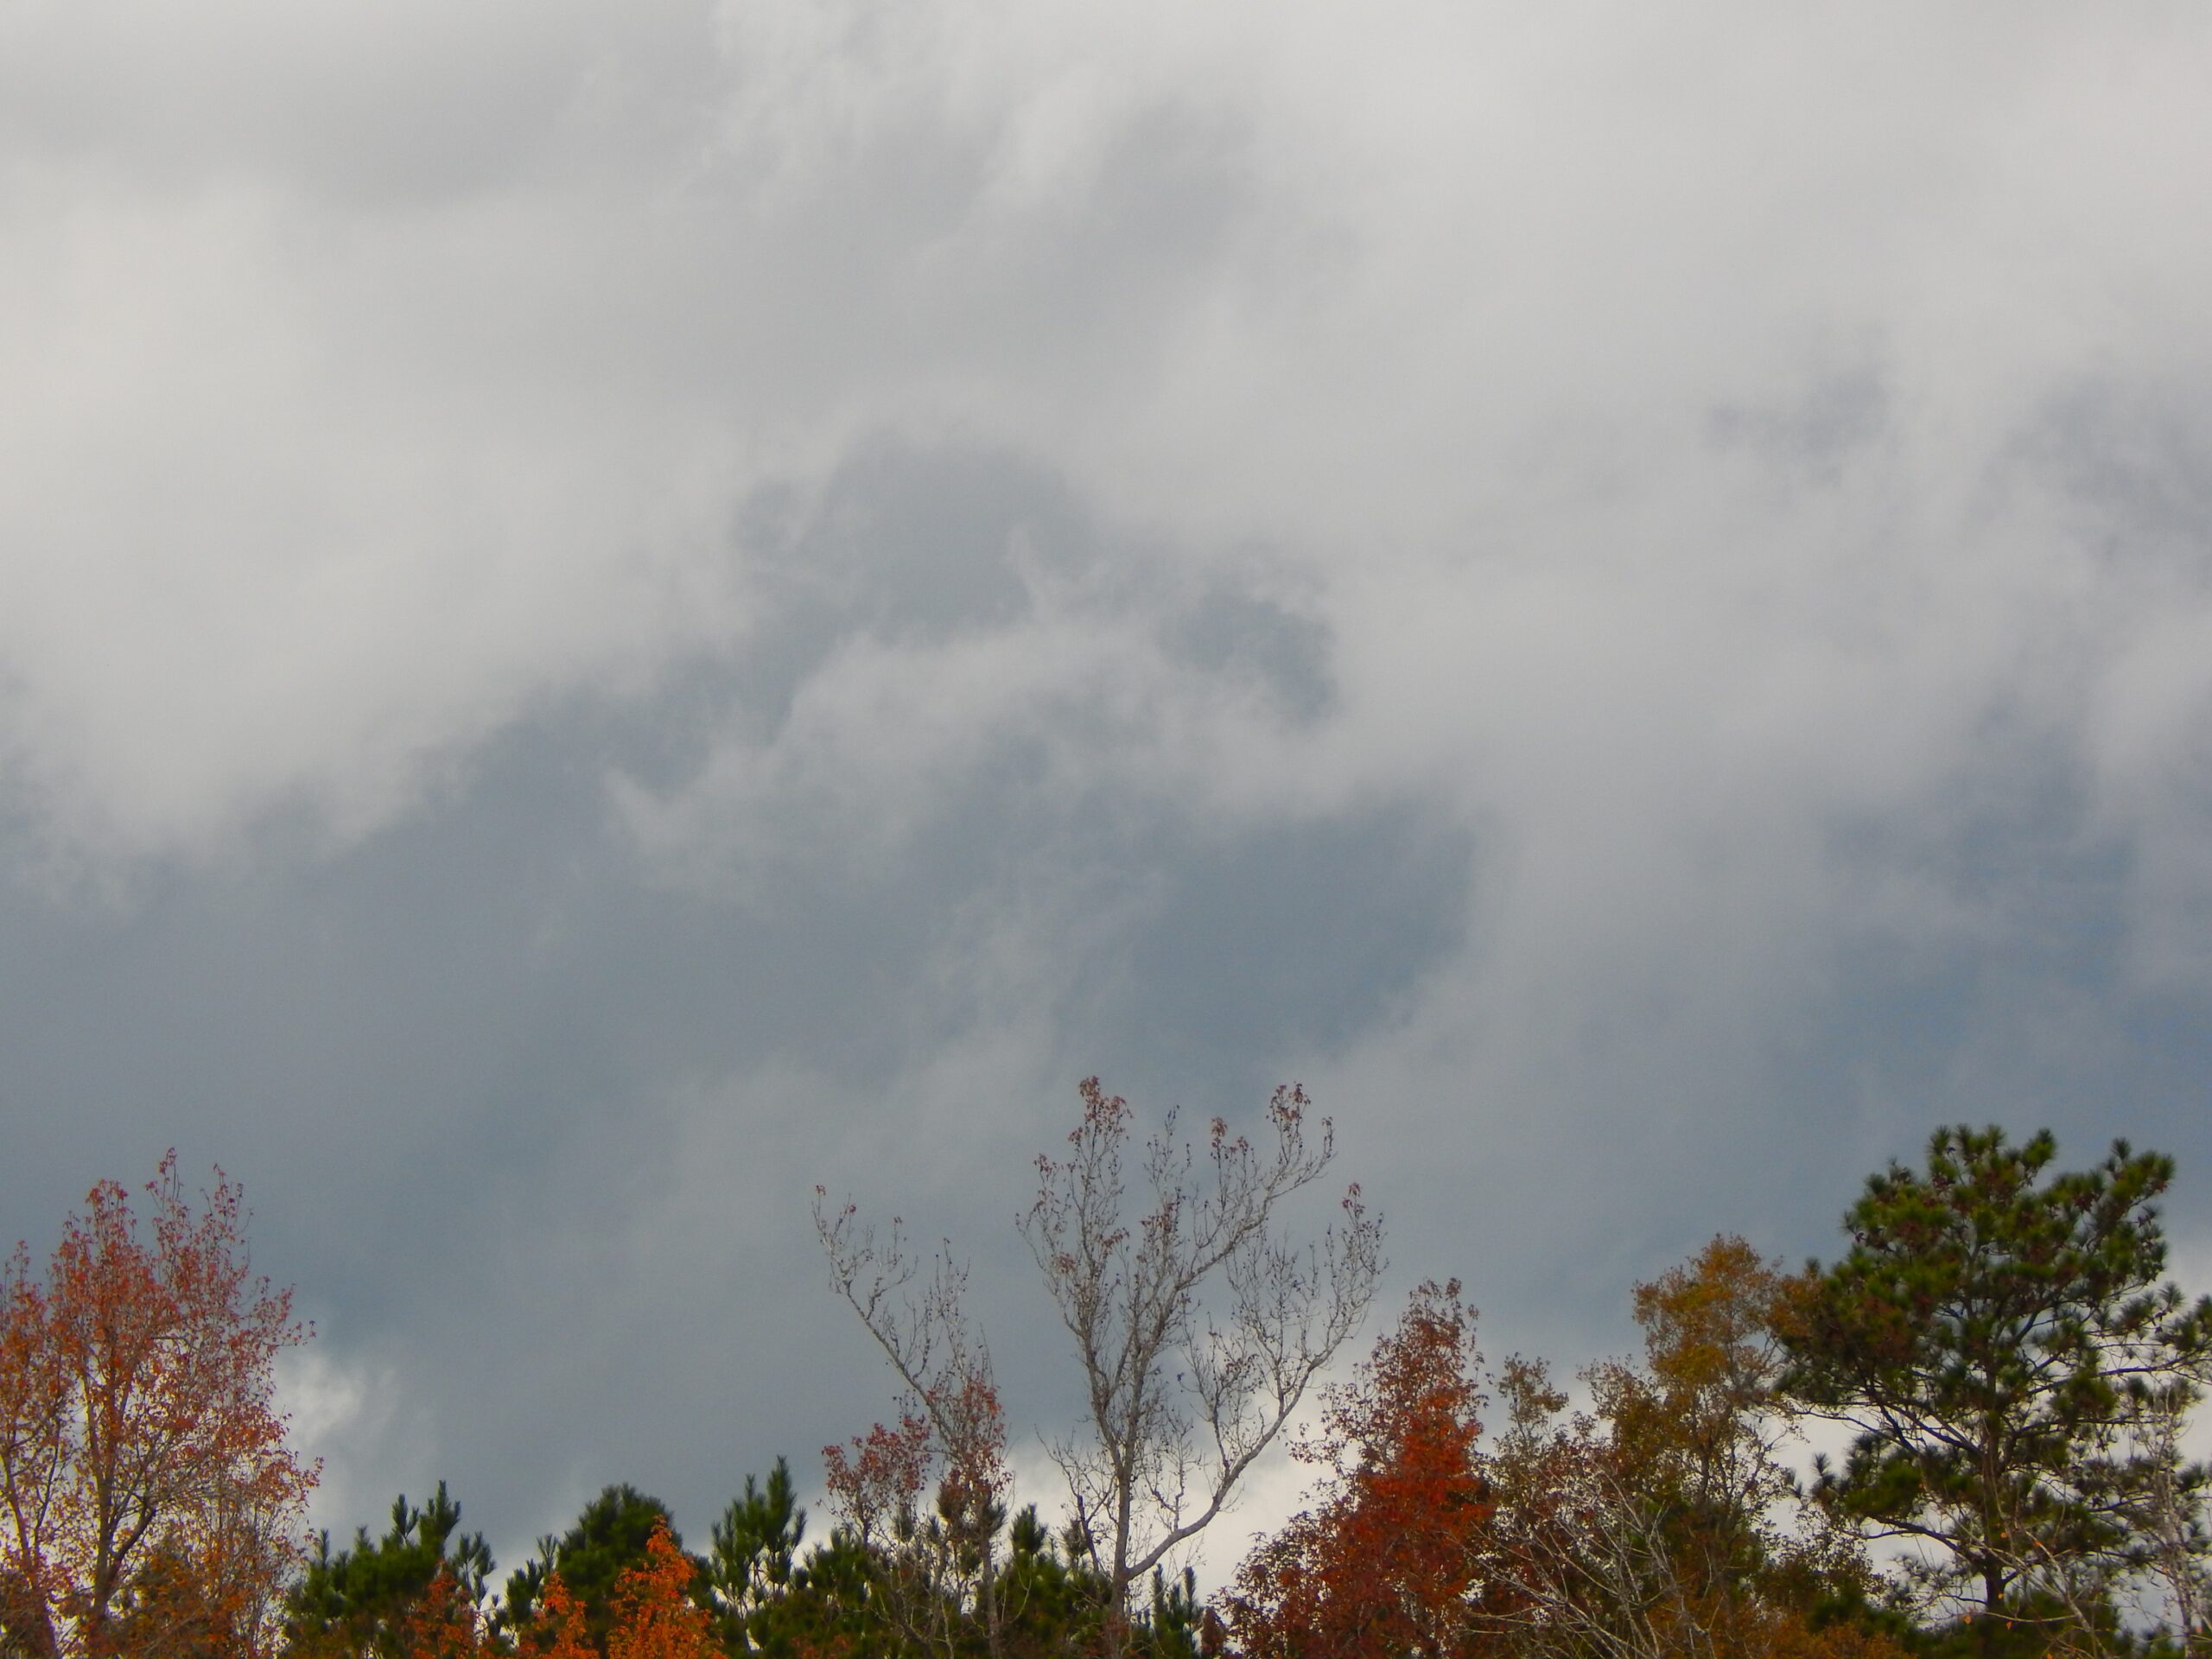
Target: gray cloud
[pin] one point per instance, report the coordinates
(603, 617)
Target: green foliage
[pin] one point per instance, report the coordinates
(1180, 1625)
(760, 1590)
(1999, 1336)
(756, 1540)
(609, 1539)
(353, 1602)
(1051, 1600)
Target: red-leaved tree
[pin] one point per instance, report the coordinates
(1386, 1561)
(151, 1504)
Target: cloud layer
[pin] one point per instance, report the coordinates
(604, 617)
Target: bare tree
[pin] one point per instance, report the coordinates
(1184, 1387)
(2144, 1553)
(951, 1420)
(2173, 1509)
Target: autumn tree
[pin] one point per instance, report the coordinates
(877, 1484)
(151, 1502)
(656, 1615)
(1198, 1320)
(1644, 1528)
(1991, 1337)
(1389, 1559)
(559, 1627)
(651, 1608)
(445, 1622)
(1661, 1522)
(612, 1538)
(1697, 1424)
(1653, 1525)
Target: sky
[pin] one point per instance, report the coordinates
(611, 612)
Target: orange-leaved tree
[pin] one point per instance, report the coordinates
(446, 1623)
(148, 1502)
(1388, 1561)
(561, 1629)
(655, 1616)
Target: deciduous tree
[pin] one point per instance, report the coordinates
(1389, 1559)
(445, 1622)
(560, 1627)
(952, 1431)
(151, 1501)
(1184, 1386)
(1198, 1320)
(1659, 1523)
(656, 1615)
(613, 1537)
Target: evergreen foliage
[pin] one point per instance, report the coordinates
(2003, 1341)
(355, 1602)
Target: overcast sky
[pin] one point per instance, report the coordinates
(609, 612)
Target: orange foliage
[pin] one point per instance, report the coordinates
(654, 1615)
(560, 1630)
(152, 1504)
(444, 1625)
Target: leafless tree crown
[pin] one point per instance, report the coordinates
(1198, 1320)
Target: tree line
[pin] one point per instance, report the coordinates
(1998, 1364)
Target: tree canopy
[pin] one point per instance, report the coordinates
(1995, 1336)
(149, 1487)
(2014, 1368)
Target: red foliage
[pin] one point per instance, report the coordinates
(1384, 1563)
(655, 1617)
(877, 1485)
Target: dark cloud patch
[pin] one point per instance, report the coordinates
(916, 542)
(1979, 972)
(1815, 436)
(2136, 461)
(1298, 938)
(920, 542)
(1229, 631)
(903, 544)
